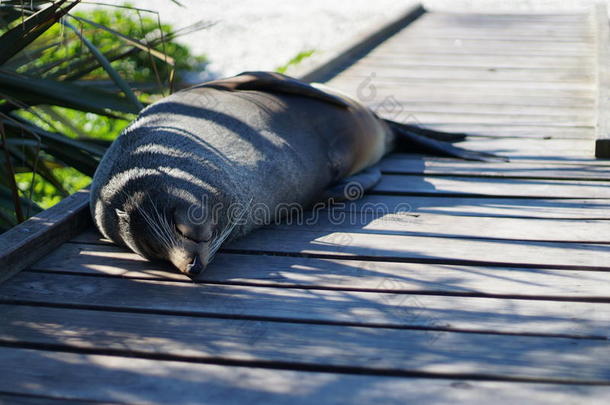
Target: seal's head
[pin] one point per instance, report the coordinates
(160, 226)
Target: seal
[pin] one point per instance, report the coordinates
(212, 162)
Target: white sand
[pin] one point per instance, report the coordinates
(266, 34)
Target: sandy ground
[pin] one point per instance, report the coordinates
(266, 34)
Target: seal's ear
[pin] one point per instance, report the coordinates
(275, 82)
(353, 187)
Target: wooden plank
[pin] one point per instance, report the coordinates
(115, 379)
(357, 85)
(469, 73)
(511, 131)
(458, 206)
(308, 272)
(582, 115)
(406, 224)
(489, 186)
(39, 235)
(383, 220)
(556, 33)
(509, 35)
(494, 19)
(484, 207)
(437, 115)
(490, 102)
(602, 138)
(566, 150)
(357, 308)
(399, 163)
(427, 249)
(473, 83)
(424, 43)
(378, 220)
(415, 49)
(297, 345)
(380, 57)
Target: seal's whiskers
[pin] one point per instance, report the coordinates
(225, 234)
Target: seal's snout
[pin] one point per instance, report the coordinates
(195, 267)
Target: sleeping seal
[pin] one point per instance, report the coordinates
(185, 176)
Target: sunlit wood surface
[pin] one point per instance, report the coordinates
(475, 282)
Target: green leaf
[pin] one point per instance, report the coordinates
(33, 91)
(134, 42)
(32, 27)
(83, 156)
(114, 75)
(36, 163)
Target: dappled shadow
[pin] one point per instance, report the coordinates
(109, 326)
(279, 327)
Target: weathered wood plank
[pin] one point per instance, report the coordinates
(406, 224)
(417, 164)
(39, 235)
(400, 350)
(477, 107)
(380, 57)
(340, 274)
(514, 36)
(567, 150)
(378, 220)
(463, 73)
(357, 86)
(460, 206)
(513, 316)
(489, 186)
(468, 45)
(568, 19)
(504, 52)
(430, 249)
(438, 115)
(473, 83)
(116, 379)
(488, 102)
(602, 129)
(511, 131)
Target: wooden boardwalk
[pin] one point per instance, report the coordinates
(450, 281)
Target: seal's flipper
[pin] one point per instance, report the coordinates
(274, 82)
(412, 141)
(430, 133)
(353, 187)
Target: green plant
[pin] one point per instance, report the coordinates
(295, 60)
(69, 83)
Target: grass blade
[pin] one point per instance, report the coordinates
(114, 75)
(20, 36)
(131, 41)
(34, 91)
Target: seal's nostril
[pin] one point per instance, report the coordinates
(195, 267)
